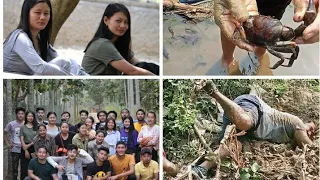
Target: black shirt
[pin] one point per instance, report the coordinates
(63, 143)
(93, 168)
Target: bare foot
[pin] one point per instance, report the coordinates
(226, 62)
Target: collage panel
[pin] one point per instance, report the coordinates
(81, 129)
(219, 38)
(241, 128)
(81, 37)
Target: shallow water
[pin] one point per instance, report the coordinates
(195, 49)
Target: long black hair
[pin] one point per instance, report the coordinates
(123, 43)
(34, 122)
(131, 129)
(44, 40)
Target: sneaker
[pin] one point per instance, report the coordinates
(200, 171)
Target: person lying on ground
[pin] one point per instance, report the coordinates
(27, 50)
(71, 165)
(251, 114)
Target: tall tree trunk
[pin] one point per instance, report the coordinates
(61, 10)
(30, 97)
(125, 92)
(74, 109)
(137, 92)
(130, 95)
(9, 117)
(51, 99)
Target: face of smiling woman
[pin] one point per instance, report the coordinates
(39, 17)
(117, 24)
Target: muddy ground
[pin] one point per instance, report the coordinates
(275, 161)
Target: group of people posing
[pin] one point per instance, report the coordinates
(27, 50)
(87, 150)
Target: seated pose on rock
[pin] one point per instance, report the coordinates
(71, 165)
(27, 49)
(251, 114)
(109, 52)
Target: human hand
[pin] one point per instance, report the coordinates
(60, 167)
(113, 178)
(230, 14)
(311, 33)
(145, 141)
(206, 85)
(27, 154)
(10, 145)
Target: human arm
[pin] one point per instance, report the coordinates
(127, 68)
(311, 33)
(6, 140)
(230, 14)
(156, 176)
(85, 157)
(55, 177)
(32, 176)
(31, 169)
(25, 49)
(23, 144)
(54, 160)
(134, 60)
(25, 147)
(301, 137)
(156, 172)
(155, 137)
(140, 135)
(127, 173)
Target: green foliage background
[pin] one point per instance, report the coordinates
(181, 111)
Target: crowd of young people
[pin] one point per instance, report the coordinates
(106, 149)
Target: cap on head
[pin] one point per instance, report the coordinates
(146, 150)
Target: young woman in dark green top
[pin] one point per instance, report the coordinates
(109, 52)
(27, 133)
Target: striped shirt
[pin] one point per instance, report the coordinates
(48, 142)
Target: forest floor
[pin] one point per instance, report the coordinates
(262, 159)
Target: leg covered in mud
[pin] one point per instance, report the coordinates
(233, 111)
(229, 147)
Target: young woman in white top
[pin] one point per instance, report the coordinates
(52, 129)
(112, 135)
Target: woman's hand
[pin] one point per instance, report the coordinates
(311, 33)
(229, 16)
(27, 154)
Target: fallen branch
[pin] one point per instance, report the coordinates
(202, 140)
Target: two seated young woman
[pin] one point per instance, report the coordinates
(27, 50)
